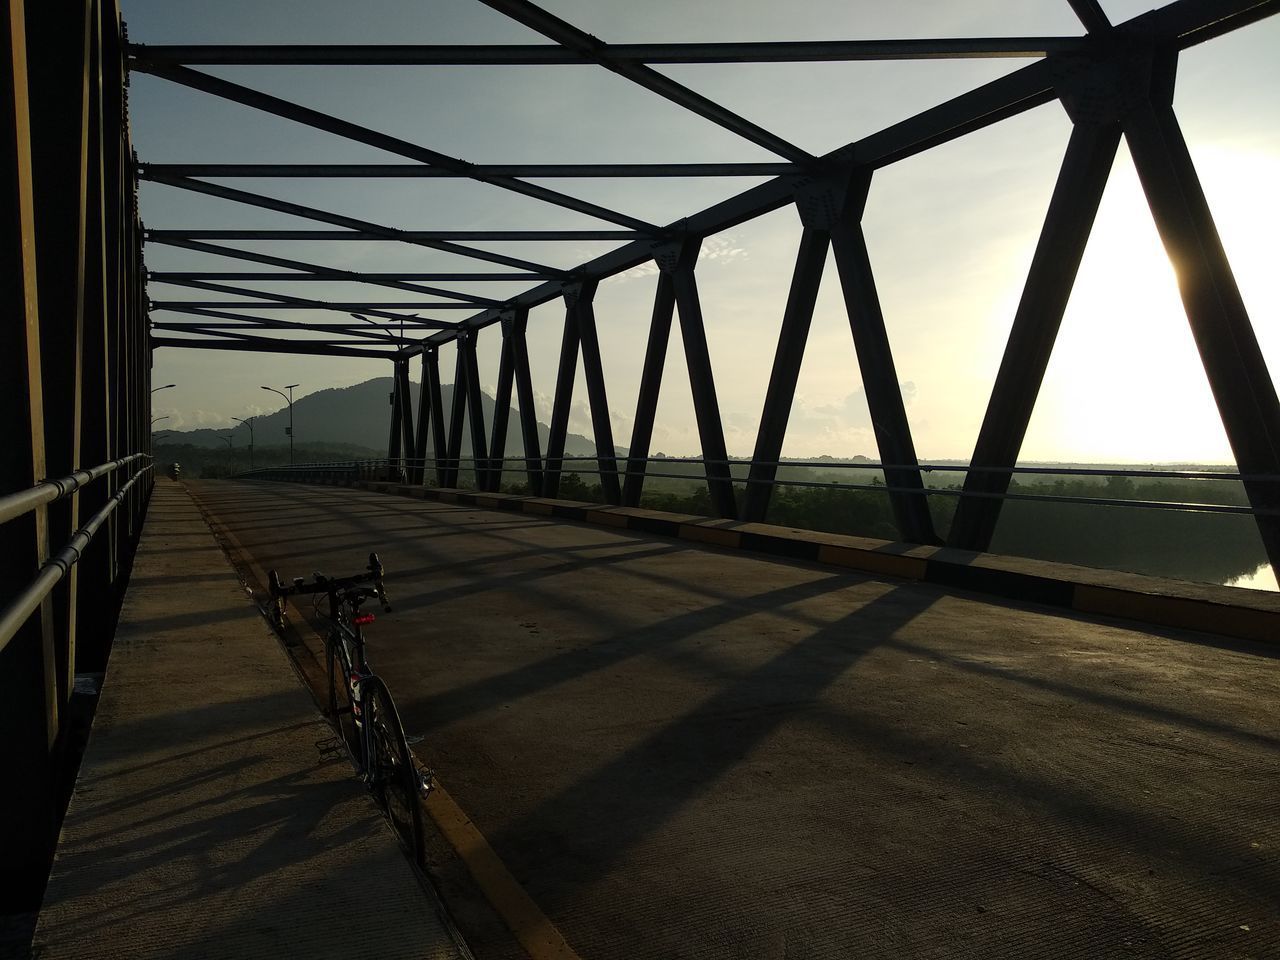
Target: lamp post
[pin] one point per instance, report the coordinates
(227, 439)
(289, 398)
(155, 420)
(165, 387)
(248, 422)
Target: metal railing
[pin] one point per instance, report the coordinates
(369, 469)
(15, 505)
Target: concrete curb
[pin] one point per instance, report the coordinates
(1228, 611)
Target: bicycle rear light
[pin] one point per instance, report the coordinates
(363, 619)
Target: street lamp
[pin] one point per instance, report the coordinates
(289, 398)
(227, 438)
(155, 420)
(165, 387)
(248, 422)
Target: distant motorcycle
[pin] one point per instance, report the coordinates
(175, 470)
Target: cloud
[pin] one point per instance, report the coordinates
(721, 248)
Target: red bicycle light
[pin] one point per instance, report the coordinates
(363, 619)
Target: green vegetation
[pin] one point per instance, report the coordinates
(1205, 547)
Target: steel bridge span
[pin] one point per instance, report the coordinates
(656, 735)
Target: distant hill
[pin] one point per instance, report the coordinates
(360, 416)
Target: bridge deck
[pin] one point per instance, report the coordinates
(685, 752)
(206, 823)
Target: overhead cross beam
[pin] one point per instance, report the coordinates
(352, 131)
(350, 223)
(413, 171)
(593, 50)
(775, 51)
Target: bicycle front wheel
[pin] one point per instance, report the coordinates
(392, 774)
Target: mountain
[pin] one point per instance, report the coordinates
(360, 416)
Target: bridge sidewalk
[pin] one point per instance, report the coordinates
(208, 820)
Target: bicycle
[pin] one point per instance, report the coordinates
(360, 704)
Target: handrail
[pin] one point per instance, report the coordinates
(1180, 506)
(15, 505)
(15, 614)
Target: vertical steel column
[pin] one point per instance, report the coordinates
(681, 259)
(875, 361)
(417, 471)
(457, 411)
(406, 411)
(96, 585)
(655, 359)
(593, 373)
(475, 411)
(28, 685)
(1242, 385)
(431, 384)
(524, 394)
(501, 407)
(59, 78)
(792, 337)
(1085, 169)
(395, 437)
(563, 400)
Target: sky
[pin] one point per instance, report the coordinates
(950, 232)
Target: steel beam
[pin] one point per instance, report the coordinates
(376, 308)
(261, 345)
(59, 78)
(406, 407)
(593, 372)
(402, 236)
(1242, 386)
(561, 403)
(475, 412)
(1081, 181)
(363, 227)
(312, 272)
(323, 273)
(792, 337)
(1091, 14)
(593, 50)
(457, 411)
(413, 171)
(774, 51)
(875, 361)
(282, 298)
(351, 131)
(501, 409)
(28, 664)
(166, 275)
(397, 408)
(524, 395)
(655, 358)
(431, 385)
(680, 261)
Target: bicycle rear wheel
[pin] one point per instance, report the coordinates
(392, 774)
(340, 704)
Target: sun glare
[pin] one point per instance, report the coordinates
(1125, 383)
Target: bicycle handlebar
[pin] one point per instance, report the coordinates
(332, 585)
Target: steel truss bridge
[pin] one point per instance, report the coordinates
(80, 327)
